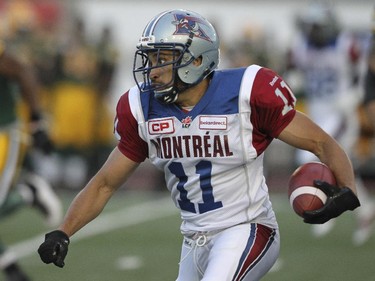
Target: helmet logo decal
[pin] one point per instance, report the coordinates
(187, 24)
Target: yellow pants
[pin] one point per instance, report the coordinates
(13, 144)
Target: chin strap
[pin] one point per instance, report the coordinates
(167, 96)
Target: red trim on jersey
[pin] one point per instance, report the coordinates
(130, 144)
(259, 242)
(354, 52)
(266, 108)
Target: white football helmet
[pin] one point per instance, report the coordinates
(189, 36)
(320, 24)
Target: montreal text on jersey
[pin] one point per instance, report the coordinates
(192, 146)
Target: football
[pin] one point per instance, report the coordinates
(302, 194)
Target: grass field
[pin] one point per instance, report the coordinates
(137, 239)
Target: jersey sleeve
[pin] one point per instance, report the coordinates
(126, 131)
(272, 105)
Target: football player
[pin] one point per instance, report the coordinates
(207, 129)
(19, 186)
(329, 60)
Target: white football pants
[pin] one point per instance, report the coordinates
(244, 252)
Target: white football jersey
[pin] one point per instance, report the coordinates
(328, 70)
(332, 97)
(212, 156)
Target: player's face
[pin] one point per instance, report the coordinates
(161, 73)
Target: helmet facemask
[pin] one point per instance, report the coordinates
(181, 57)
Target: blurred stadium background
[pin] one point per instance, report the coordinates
(137, 237)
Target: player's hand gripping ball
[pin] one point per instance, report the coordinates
(302, 193)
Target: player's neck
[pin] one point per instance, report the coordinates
(193, 95)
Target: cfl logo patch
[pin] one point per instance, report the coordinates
(164, 126)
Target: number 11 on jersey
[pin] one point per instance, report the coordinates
(203, 169)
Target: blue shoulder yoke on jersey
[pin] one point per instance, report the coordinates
(220, 98)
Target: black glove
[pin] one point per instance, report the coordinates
(338, 201)
(54, 248)
(41, 139)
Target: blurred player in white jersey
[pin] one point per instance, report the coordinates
(207, 130)
(330, 63)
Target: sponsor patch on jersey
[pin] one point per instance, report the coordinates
(212, 122)
(163, 126)
(186, 122)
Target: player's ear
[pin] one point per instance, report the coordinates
(197, 61)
